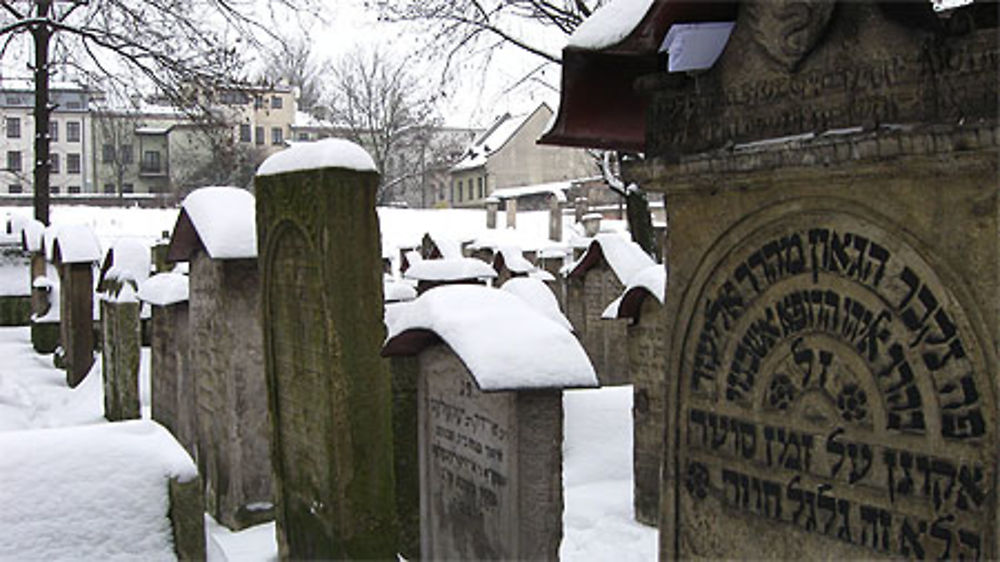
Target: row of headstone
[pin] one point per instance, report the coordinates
(492, 205)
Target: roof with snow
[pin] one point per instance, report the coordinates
(75, 243)
(325, 153)
(622, 255)
(444, 247)
(495, 137)
(504, 342)
(649, 281)
(219, 220)
(127, 259)
(450, 269)
(513, 259)
(536, 293)
(32, 234)
(558, 189)
(165, 289)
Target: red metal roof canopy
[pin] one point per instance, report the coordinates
(599, 106)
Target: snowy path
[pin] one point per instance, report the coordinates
(598, 522)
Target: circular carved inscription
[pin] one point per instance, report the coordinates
(831, 381)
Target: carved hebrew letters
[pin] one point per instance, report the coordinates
(832, 382)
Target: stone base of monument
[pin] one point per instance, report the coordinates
(187, 516)
(44, 336)
(15, 310)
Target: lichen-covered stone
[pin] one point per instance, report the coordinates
(329, 390)
(174, 404)
(120, 360)
(44, 336)
(187, 517)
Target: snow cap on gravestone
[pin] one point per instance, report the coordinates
(326, 153)
(225, 220)
(76, 243)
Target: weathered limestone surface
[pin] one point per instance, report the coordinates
(230, 389)
(329, 390)
(120, 360)
(647, 366)
(491, 467)
(832, 310)
(76, 327)
(405, 373)
(187, 516)
(587, 296)
(174, 402)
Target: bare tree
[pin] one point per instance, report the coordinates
(180, 46)
(386, 109)
(295, 63)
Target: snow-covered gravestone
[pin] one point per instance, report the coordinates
(492, 205)
(596, 279)
(75, 251)
(642, 305)
(329, 389)
(173, 398)
(126, 265)
(509, 261)
(215, 233)
(491, 372)
(449, 271)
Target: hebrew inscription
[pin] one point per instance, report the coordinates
(833, 382)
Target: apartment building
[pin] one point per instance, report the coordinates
(70, 129)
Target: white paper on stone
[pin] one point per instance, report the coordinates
(397, 291)
(92, 492)
(652, 279)
(78, 244)
(450, 270)
(133, 260)
(325, 153)
(609, 24)
(539, 296)
(225, 220)
(695, 46)
(504, 342)
(164, 289)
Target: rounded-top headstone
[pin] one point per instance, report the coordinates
(326, 153)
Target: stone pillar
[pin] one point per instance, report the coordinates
(646, 367)
(511, 212)
(231, 393)
(580, 208)
(120, 359)
(76, 313)
(39, 296)
(591, 224)
(173, 396)
(555, 219)
(492, 204)
(330, 393)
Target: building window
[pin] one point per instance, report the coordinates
(13, 127)
(461, 191)
(126, 153)
(73, 131)
(151, 161)
(276, 102)
(258, 133)
(54, 131)
(73, 189)
(276, 135)
(107, 153)
(470, 191)
(479, 187)
(54, 159)
(72, 164)
(109, 188)
(14, 160)
(245, 132)
(127, 188)
(14, 188)
(258, 101)
(303, 136)
(54, 189)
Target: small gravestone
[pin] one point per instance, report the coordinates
(492, 205)
(215, 233)
(580, 208)
(462, 271)
(509, 261)
(75, 251)
(489, 421)
(642, 306)
(599, 277)
(330, 393)
(174, 403)
(555, 219)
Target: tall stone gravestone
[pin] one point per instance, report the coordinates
(831, 316)
(215, 233)
(489, 423)
(174, 403)
(75, 251)
(642, 306)
(329, 391)
(598, 278)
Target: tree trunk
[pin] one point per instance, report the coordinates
(639, 220)
(41, 34)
